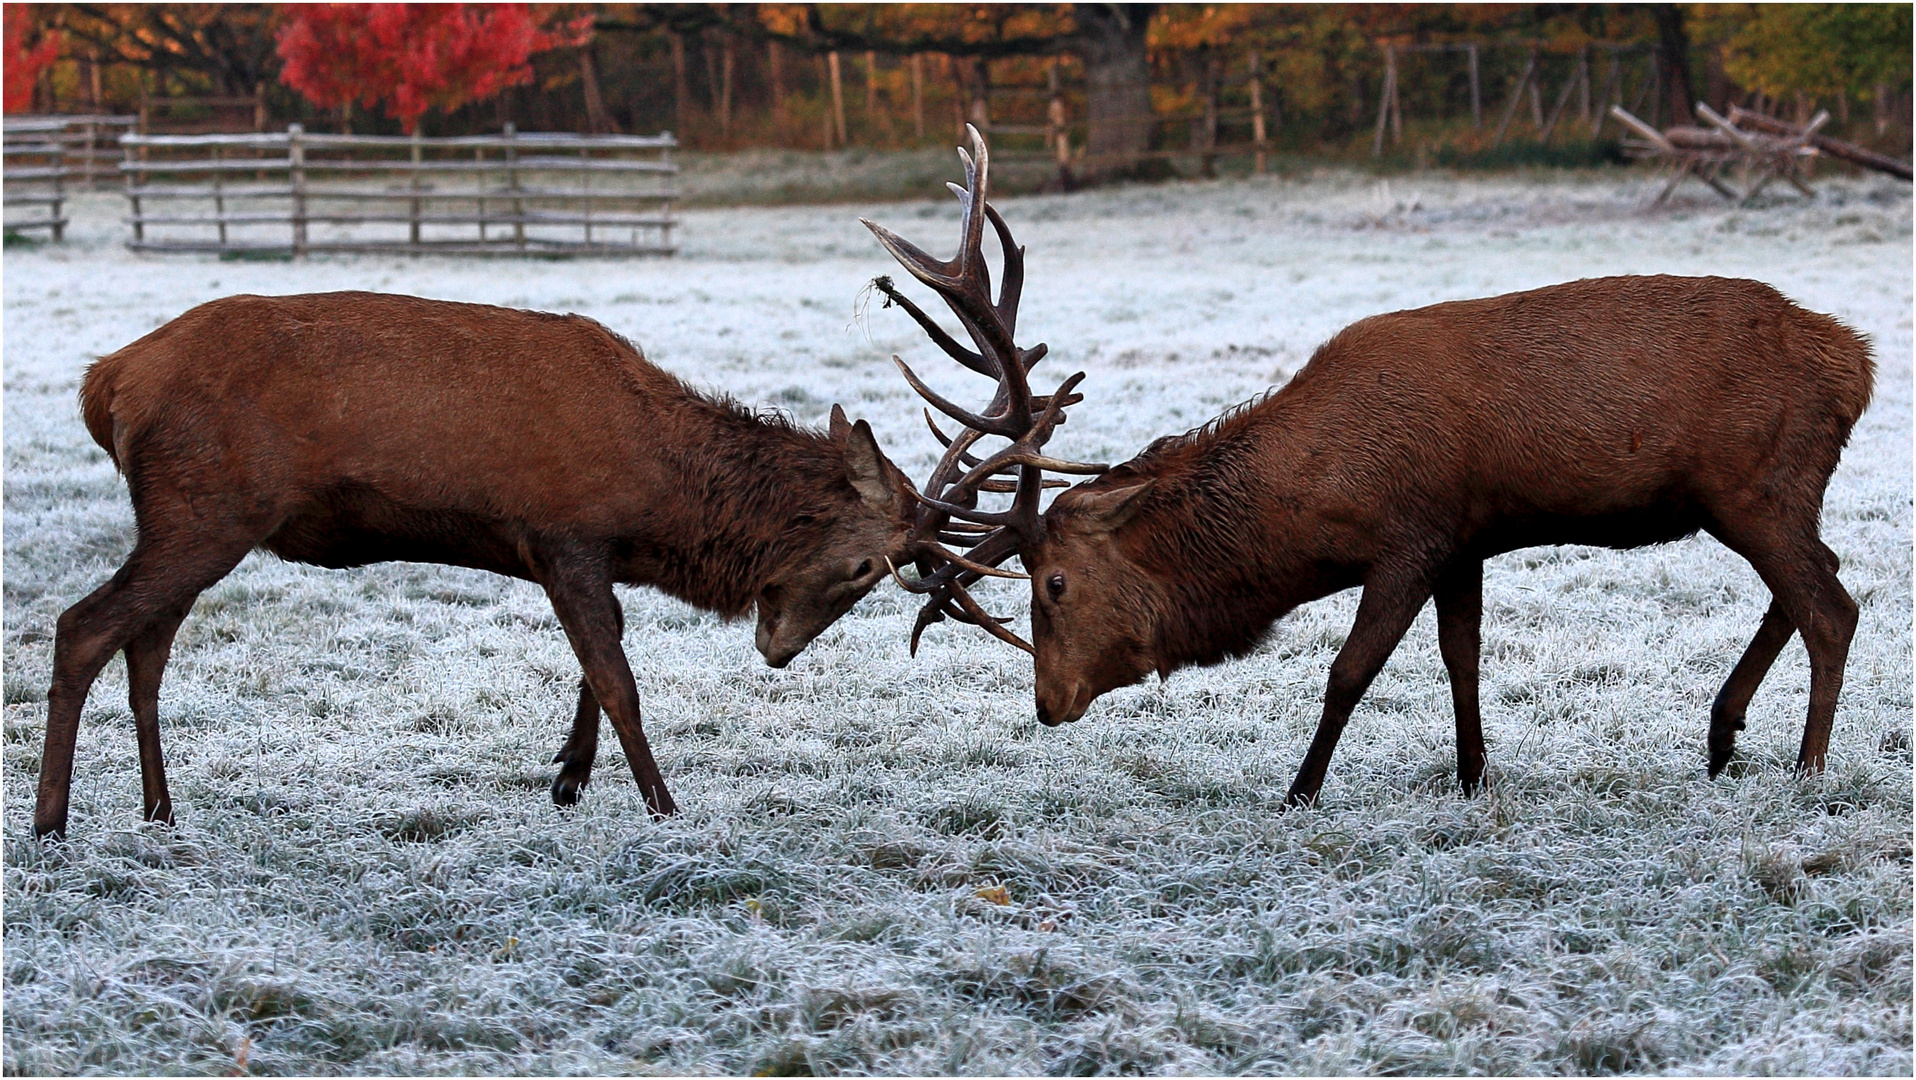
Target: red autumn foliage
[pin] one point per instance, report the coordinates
(413, 57)
(23, 64)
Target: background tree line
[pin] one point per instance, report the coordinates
(1124, 82)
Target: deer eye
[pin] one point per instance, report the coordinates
(1055, 585)
(863, 569)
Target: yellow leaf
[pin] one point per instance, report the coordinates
(995, 894)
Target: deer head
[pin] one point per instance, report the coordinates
(852, 554)
(950, 515)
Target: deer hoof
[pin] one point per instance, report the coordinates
(566, 790)
(1722, 744)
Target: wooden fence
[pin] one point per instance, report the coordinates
(36, 176)
(90, 143)
(293, 193)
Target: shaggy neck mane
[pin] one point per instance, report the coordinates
(751, 480)
(1191, 535)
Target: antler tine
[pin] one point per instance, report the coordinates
(971, 567)
(968, 358)
(990, 425)
(1006, 487)
(966, 513)
(991, 625)
(1014, 280)
(955, 454)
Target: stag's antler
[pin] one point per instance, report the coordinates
(1014, 414)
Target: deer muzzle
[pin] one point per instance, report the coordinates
(777, 649)
(1062, 707)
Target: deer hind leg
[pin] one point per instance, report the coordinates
(581, 593)
(1460, 614)
(1389, 605)
(1727, 711)
(146, 658)
(158, 584)
(581, 747)
(1801, 574)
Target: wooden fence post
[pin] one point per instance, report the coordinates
(512, 185)
(296, 168)
(59, 226)
(134, 180)
(1583, 85)
(1516, 98)
(412, 181)
(1257, 110)
(1476, 98)
(918, 95)
(1385, 97)
(219, 193)
(1556, 110)
(838, 99)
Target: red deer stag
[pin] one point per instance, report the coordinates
(1617, 412)
(342, 429)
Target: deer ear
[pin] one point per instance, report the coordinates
(864, 464)
(841, 427)
(1109, 510)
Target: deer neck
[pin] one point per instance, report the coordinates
(759, 496)
(1223, 543)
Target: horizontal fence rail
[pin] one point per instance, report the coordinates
(293, 193)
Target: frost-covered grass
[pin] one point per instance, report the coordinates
(885, 865)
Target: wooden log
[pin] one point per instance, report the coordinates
(1836, 148)
(1628, 120)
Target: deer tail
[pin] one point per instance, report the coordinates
(1856, 373)
(96, 405)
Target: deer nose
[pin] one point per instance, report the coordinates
(1044, 716)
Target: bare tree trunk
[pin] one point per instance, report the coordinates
(874, 115)
(1673, 61)
(1117, 75)
(957, 75)
(775, 60)
(981, 94)
(711, 57)
(597, 119)
(681, 92)
(726, 59)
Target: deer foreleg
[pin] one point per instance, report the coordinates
(1390, 603)
(581, 747)
(1460, 614)
(581, 593)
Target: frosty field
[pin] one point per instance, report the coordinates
(884, 865)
